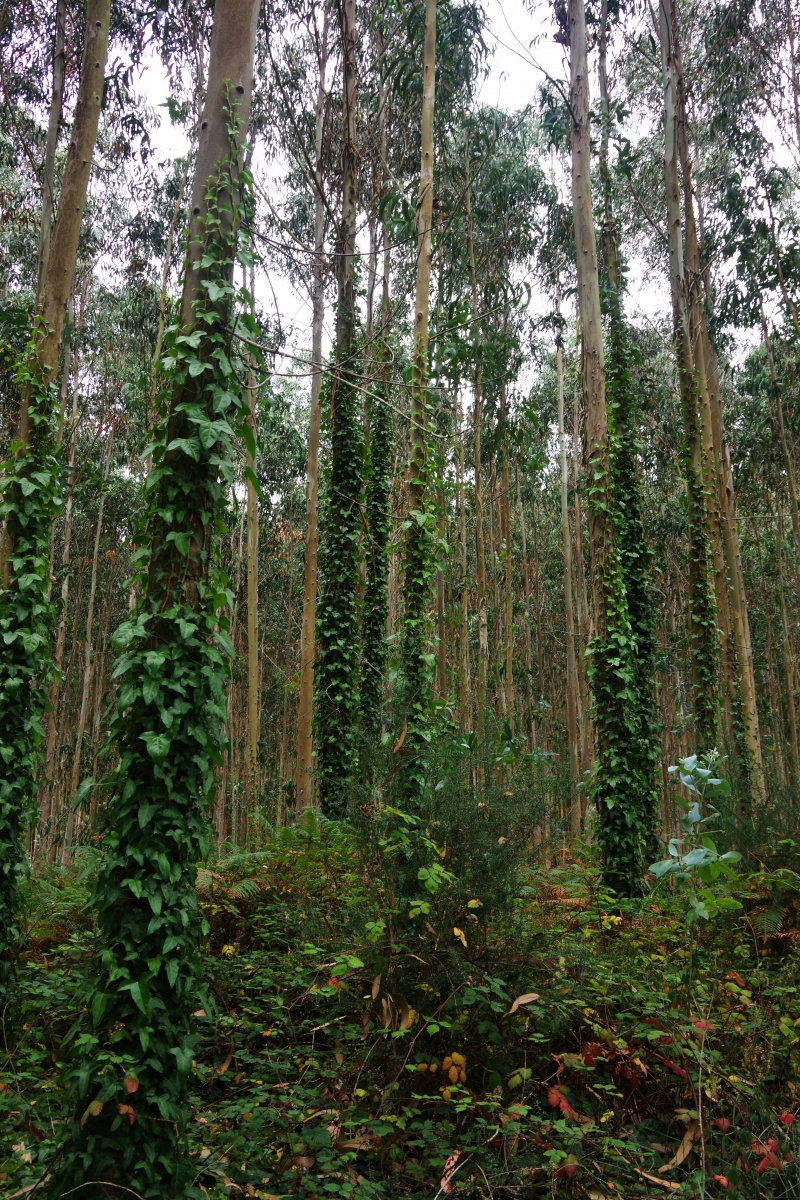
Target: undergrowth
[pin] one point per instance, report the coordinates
(554, 1044)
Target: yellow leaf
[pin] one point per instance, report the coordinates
(474, 904)
(460, 935)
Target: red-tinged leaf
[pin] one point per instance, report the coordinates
(673, 1067)
(721, 1180)
(723, 1124)
(131, 1084)
(555, 1097)
(788, 1118)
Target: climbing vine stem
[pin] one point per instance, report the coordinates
(134, 1054)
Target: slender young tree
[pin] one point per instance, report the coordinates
(32, 495)
(418, 564)
(566, 535)
(308, 629)
(173, 659)
(701, 605)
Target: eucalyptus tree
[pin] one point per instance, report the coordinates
(617, 787)
(336, 684)
(32, 492)
(171, 666)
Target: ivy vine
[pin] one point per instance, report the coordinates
(134, 1054)
(30, 498)
(336, 678)
(378, 522)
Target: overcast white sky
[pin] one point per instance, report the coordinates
(523, 51)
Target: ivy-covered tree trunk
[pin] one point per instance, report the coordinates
(32, 496)
(701, 605)
(337, 673)
(378, 519)
(416, 661)
(129, 1116)
(611, 650)
(308, 629)
(642, 735)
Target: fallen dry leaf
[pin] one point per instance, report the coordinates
(528, 998)
(685, 1149)
(664, 1183)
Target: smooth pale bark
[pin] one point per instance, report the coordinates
(480, 556)
(162, 295)
(698, 595)
(719, 487)
(305, 703)
(88, 662)
(788, 465)
(51, 144)
(581, 600)
(596, 448)
(253, 707)
(463, 608)
(526, 570)
(60, 270)
(415, 639)
(789, 662)
(419, 386)
(505, 501)
(46, 796)
(572, 671)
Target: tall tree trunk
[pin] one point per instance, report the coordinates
(378, 516)
(701, 610)
(88, 662)
(51, 144)
(526, 569)
(566, 534)
(505, 501)
(33, 495)
(337, 682)
(46, 812)
(477, 463)
(162, 295)
(789, 661)
(463, 608)
(172, 675)
(416, 697)
(788, 465)
(305, 701)
(639, 740)
(581, 598)
(619, 809)
(253, 706)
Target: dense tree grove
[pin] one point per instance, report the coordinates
(399, 598)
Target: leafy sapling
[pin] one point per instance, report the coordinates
(694, 856)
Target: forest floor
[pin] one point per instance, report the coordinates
(553, 1047)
